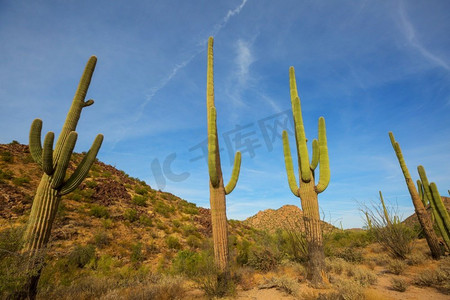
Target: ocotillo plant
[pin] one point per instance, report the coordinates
(54, 163)
(216, 186)
(440, 213)
(308, 191)
(422, 215)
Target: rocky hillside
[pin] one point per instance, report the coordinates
(413, 221)
(110, 211)
(286, 217)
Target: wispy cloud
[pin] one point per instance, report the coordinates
(244, 59)
(199, 49)
(414, 41)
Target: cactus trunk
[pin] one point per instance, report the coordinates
(421, 213)
(217, 189)
(308, 191)
(313, 231)
(219, 227)
(53, 183)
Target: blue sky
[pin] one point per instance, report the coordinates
(368, 67)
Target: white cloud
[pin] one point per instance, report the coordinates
(414, 41)
(244, 59)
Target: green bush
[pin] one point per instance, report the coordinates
(5, 175)
(399, 285)
(146, 221)
(173, 242)
(141, 190)
(90, 184)
(99, 211)
(140, 200)
(81, 255)
(136, 253)
(6, 156)
(131, 215)
(193, 241)
(101, 239)
(21, 181)
(263, 258)
(163, 209)
(191, 264)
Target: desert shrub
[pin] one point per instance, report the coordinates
(438, 278)
(21, 181)
(388, 231)
(193, 241)
(164, 288)
(345, 289)
(415, 259)
(263, 258)
(7, 157)
(190, 229)
(292, 242)
(107, 174)
(191, 264)
(141, 190)
(176, 223)
(131, 215)
(140, 200)
(5, 175)
(101, 239)
(136, 253)
(173, 242)
(283, 283)
(90, 183)
(145, 220)
(191, 209)
(163, 209)
(81, 255)
(396, 266)
(399, 284)
(99, 211)
(364, 277)
(350, 254)
(335, 265)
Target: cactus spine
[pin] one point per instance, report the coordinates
(438, 209)
(422, 215)
(216, 185)
(308, 191)
(53, 184)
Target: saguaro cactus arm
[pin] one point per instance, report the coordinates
(385, 211)
(83, 168)
(324, 164)
(47, 153)
(35, 141)
(212, 147)
(289, 165)
(63, 163)
(316, 154)
(300, 136)
(235, 174)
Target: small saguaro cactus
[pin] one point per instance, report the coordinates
(54, 163)
(216, 185)
(308, 190)
(385, 211)
(440, 213)
(422, 215)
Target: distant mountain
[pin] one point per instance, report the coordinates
(286, 217)
(412, 219)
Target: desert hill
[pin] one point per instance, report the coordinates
(286, 217)
(110, 210)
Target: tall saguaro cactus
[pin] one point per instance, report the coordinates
(308, 190)
(54, 163)
(216, 186)
(421, 213)
(440, 213)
